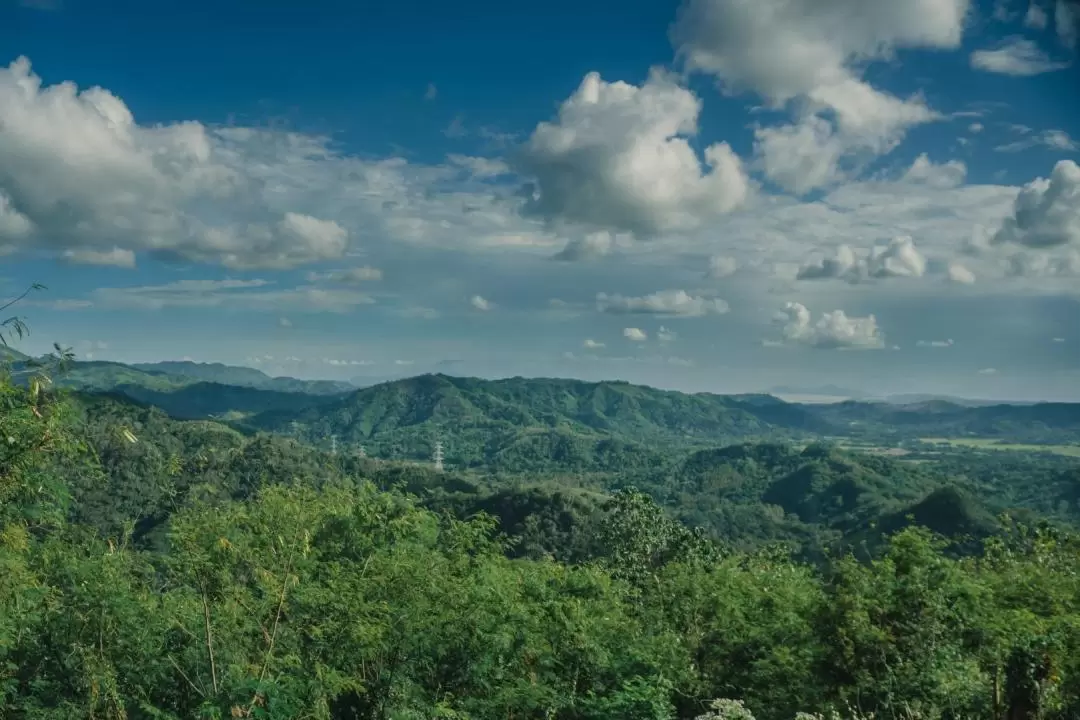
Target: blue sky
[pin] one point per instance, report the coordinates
(706, 195)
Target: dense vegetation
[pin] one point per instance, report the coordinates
(154, 567)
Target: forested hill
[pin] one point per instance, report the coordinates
(419, 407)
(407, 415)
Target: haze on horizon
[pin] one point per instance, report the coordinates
(880, 195)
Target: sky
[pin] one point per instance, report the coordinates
(706, 195)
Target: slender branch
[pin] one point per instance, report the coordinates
(273, 633)
(209, 640)
(25, 292)
(184, 675)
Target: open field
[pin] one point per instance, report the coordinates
(991, 444)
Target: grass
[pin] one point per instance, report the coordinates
(991, 444)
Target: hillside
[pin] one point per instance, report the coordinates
(481, 419)
(244, 377)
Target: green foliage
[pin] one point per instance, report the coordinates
(158, 568)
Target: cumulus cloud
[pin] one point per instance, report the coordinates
(591, 344)
(480, 303)
(943, 175)
(347, 276)
(900, 258)
(635, 334)
(78, 173)
(959, 274)
(589, 247)
(284, 322)
(1016, 56)
(665, 335)
(1046, 213)
(833, 330)
(117, 257)
(617, 158)
(814, 52)
(673, 303)
(934, 343)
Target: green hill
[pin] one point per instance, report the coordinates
(489, 422)
(244, 377)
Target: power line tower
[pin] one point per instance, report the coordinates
(438, 456)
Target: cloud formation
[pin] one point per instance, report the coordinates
(1018, 57)
(900, 258)
(814, 52)
(1046, 213)
(617, 158)
(77, 173)
(833, 330)
(635, 334)
(673, 303)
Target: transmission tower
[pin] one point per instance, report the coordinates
(438, 457)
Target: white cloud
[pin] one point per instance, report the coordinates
(284, 322)
(1046, 213)
(721, 266)
(117, 257)
(944, 175)
(934, 343)
(229, 294)
(348, 276)
(1053, 139)
(1058, 339)
(431, 92)
(987, 371)
(673, 303)
(480, 167)
(900, 258)
(1018, 57)
(618, 158)
(975, 127)
(78, 173)
(480, 303)
(589, 247)
(833, 330)
(592, 344)
(814, 52)
(1035, 17)
(665, 336)
(959, 274)
(635, 334)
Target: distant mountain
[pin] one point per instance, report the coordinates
(215, 400)
(915, 399)
(244, 376)
(818, 390)
(482, 420)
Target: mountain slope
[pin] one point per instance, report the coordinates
(479, 419)
(244, 377)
